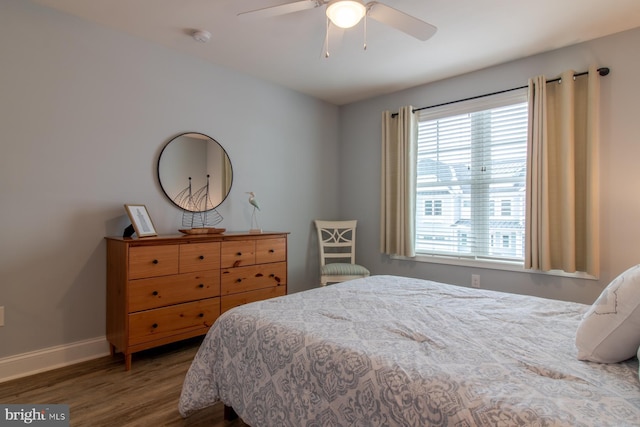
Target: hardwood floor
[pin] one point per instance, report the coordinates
(101, 393)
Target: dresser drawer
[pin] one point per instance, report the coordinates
(271, 250)
(235, 300)
(157, 292)
(199, 257)
(152, 261)
(253, 277)
(164, 322)
(238, 253)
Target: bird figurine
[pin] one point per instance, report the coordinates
(252, 200)
(255, 228)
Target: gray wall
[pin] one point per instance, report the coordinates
(84, 113)
(620, 174)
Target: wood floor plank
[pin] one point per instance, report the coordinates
(101, 393)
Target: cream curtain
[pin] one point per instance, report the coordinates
(562, 217)
(398, 186)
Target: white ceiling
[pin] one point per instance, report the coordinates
(287, 50)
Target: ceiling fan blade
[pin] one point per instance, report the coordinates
(281, 9)
(400, 21)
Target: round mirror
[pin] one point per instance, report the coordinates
(195, 172)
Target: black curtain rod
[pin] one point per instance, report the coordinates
(603, 71)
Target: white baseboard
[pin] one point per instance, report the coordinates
(34, 362)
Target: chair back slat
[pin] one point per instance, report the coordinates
(337, 234)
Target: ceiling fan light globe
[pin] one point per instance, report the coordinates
(346, 13)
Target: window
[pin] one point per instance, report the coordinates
(505, 209)
(432, 207)
(472, 156)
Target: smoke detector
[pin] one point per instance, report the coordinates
(201, 36)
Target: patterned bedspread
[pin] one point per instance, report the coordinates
(394, 351)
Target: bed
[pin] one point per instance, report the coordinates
(396, 351)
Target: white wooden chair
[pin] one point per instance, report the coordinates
(337, 240)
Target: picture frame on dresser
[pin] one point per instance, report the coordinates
(141, 220)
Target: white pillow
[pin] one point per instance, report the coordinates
(638, 359)
(610, 330)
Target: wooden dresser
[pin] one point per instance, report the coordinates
(167, 288)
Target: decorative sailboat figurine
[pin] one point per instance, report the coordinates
(198, 212)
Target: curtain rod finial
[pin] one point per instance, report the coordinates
(603, 71)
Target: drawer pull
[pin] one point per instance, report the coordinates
(201, 285)
(201, 256)
(239, 254)
(201, 315)
(238, 280)
(154, 293)
(272, 275)
(154, 326)
(259, 274)
(271, 251)
(155, 261)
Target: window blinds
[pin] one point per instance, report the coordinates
(471, 172)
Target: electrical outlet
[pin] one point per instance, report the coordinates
(475, 280)
(2, 316)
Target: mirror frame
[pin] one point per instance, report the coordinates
(213, 180)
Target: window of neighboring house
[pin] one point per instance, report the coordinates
(433, 207)
(473, 156)
(505, 208)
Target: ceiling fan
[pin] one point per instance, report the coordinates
(348, 13)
